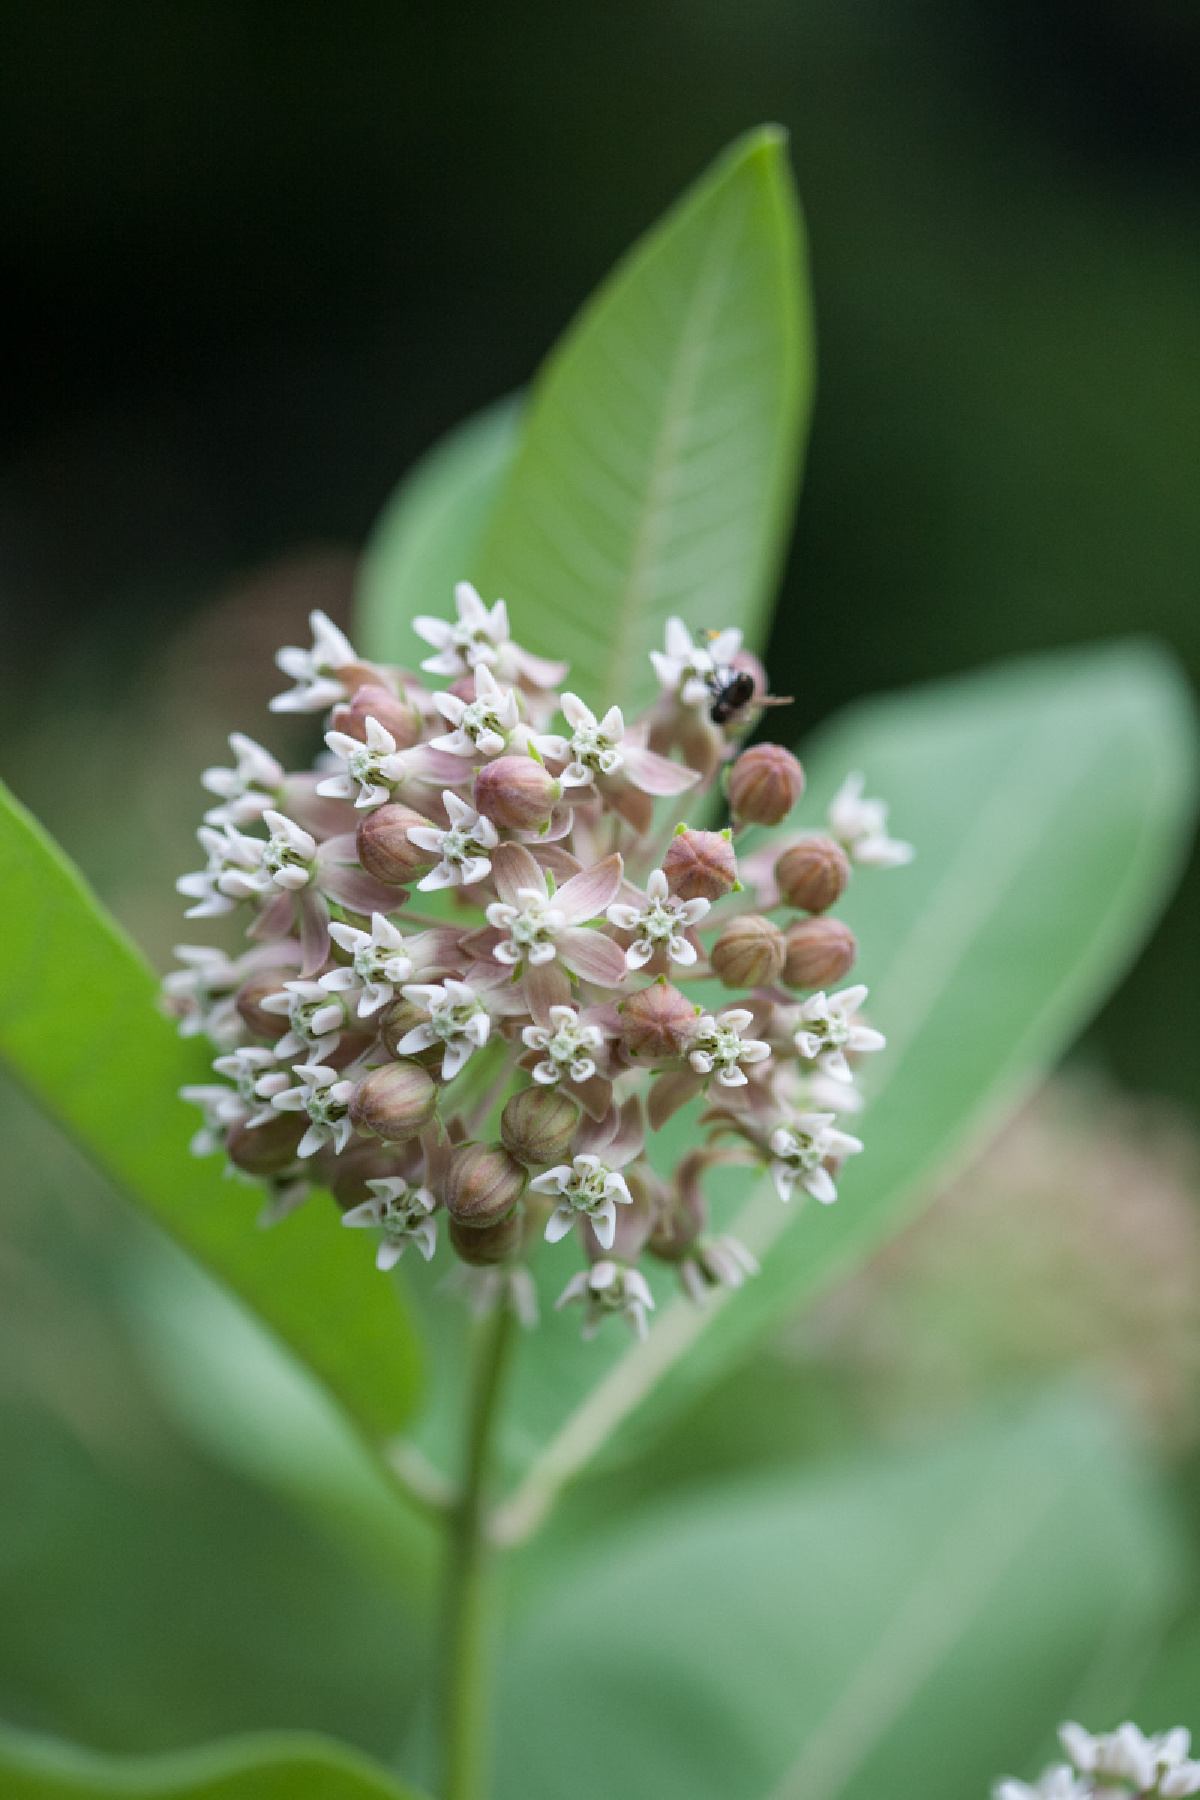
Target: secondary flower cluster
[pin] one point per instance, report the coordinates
(483, 966)
(1115, 1765)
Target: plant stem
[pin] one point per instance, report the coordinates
(465, 1689)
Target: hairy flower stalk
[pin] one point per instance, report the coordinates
(486, 1082)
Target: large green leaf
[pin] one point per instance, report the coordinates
(908, 1626)
(428, 535)
(80, 1028)
(1051, 801)
(657, 469)
(293, 1767)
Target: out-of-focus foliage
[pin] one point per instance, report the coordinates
(904, 1625)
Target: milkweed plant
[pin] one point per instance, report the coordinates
(545, 1014)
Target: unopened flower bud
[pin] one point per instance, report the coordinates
(252, 993)
(819, 952)
(384, 847)
(812, 874)
(537, 1125)
(700, 865)
(347, 1175)
(380, 704)
(483, 1184)
(749, 953)
(764, 784)
(265, 1149)
(485, 1246)
(395, 1102)
(401, 1017)
(656, 1022)
(517, 792)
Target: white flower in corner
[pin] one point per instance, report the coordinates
(586, 1189)
(827, 1031)
(315, 671)
(1057, 1783)
(687, 668)
(246, 790)
(482, 726)
(373, 767)
(860, 826)
(381, 963)
(1158, 1765)
(402, 1213)
(568, 1047)
(457, 1019)
(717, 1047)
(464, 850)
(608, 1289)
(799, 1152)
(324, 1094)
(658, 922)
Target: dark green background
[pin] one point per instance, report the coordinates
(257, 256)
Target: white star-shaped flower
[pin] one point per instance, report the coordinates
(827, 1031)
(686, 668)
(799, 1152)
(609, 1289)
(860, 826)
(464, 850)
(660, 921)
(717, 1046)
(199, 995)
(594, 746)
(587, 1188)
(315, 1019)
(404, 1214)
(568, 1047)
(457, 1019)
(716, 1262)
(381, 963)
(483, 726)
(372, 770)
(480, 635)
(246, 790)
(255, 1073)
(1158, 1765)
(324, 1094)
(1056, 1783)
(315, 671)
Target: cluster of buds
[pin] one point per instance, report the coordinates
(475, 933)
(1115, 1765)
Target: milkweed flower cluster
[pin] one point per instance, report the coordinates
(1115, 1765)
(485, 963)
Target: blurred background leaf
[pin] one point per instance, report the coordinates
(656, 470)
(80, 1026)
(257, 1769)
(905, 1624)
(428, 535)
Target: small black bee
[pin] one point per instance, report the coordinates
(732, 690)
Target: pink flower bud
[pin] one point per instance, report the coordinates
(347, 1175)
(656, 1022)
(812, 874)
(379, 703)
(764, 784)
(395, 1102)
(384, 847)
(252, 993)
(537, 1125)
(483, 1184)
(401, 1017)
(265, 1149)
(749, 953)
(485, 1246)
(516, 792)
(819, 953)
(700, 865)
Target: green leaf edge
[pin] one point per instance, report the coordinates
(42, 1768)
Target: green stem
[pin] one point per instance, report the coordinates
(464, 1699)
